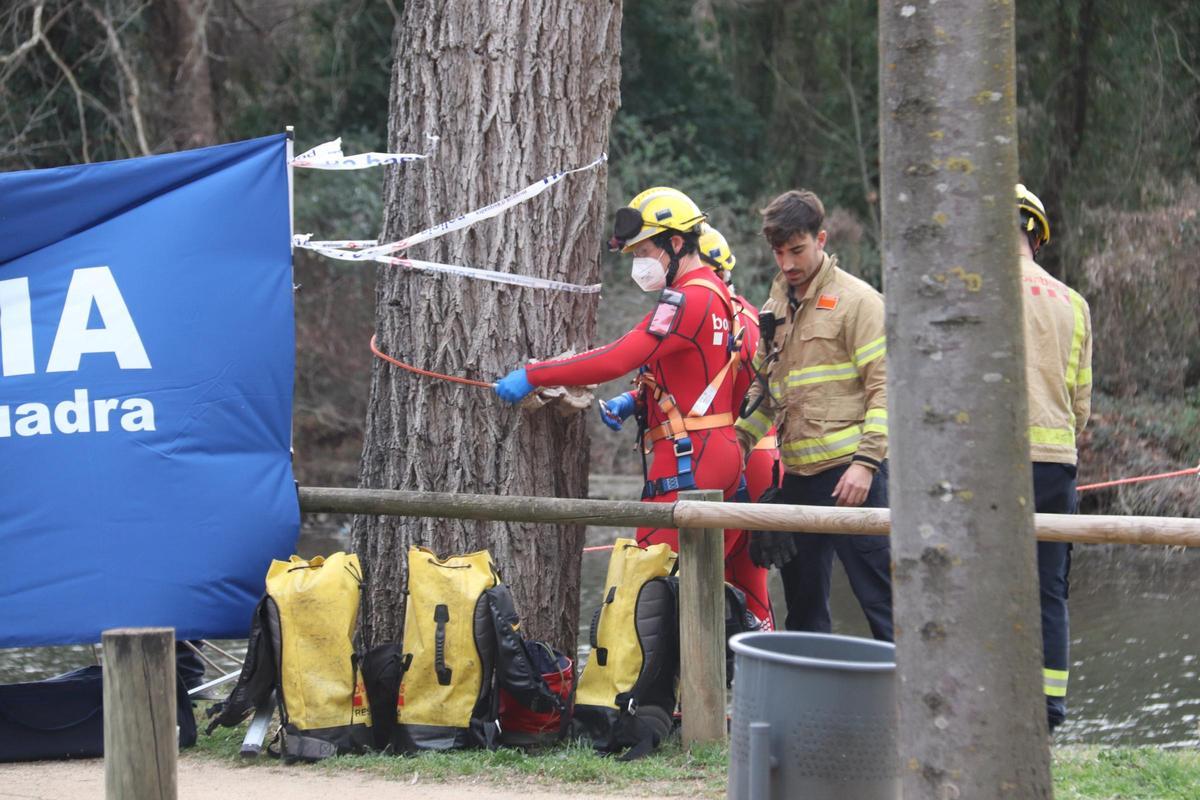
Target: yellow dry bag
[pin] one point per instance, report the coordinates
(448, 698)
(626, 694)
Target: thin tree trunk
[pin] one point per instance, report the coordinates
(972, 715)
(516, 90)
(181, 31)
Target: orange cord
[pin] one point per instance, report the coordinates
(1178, 474)
(427, 373)
(487, 385)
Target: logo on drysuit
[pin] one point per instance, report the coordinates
(720, 329)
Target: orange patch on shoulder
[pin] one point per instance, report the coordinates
(827, 301)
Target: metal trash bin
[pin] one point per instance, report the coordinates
(814, 717)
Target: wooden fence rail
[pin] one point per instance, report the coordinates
(1080, 528)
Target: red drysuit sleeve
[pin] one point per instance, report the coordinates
(605, 363)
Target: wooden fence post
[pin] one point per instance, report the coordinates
(702, 628)
(140, 739)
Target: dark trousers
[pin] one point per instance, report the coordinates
(1054, 493)
(866, 559)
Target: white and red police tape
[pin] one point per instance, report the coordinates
(368, 250)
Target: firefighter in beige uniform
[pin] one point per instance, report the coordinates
(826, 370)
(1058, 369)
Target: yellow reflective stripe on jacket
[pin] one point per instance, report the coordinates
(1059, 436)
(1055, 682)
(876, 421)
(1084, 378)
(757, 424)
(812, 451)
(1076, 342)
(870, 351)
(821, 373)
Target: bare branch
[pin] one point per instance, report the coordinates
(70, 76)
(135, 90)
(10, 62)
(861, 155)
(1179, 54)
(33, 39)
(249, 20)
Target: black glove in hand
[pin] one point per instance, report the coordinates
(772, 548)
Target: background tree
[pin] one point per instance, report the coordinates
(516, 90)
(965, 576)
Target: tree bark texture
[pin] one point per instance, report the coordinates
(181, 31)
(516, 90)
(972, 714)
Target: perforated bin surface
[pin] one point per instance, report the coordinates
(830, 702)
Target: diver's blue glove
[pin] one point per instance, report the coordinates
(614, 412)
(513, 387)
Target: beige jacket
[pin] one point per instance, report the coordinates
(829, 383)
(1058, 364)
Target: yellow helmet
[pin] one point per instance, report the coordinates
(652, 212)
(1033, 213)
(714, 250)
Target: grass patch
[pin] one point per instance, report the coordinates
(1080, 772)
(669, 771)
(1138, 773)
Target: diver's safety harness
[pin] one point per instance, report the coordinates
(678, 426)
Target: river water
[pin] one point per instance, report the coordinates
(1135, 637)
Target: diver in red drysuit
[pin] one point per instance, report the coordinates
(682, 348)
(762, 471)
(682, 362)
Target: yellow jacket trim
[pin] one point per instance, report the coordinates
(1054, 682)
(757, 424)
(812, 451)
(1077, 306)
(876, 421)
(822, 373)
(870, 351)
(1055, 436)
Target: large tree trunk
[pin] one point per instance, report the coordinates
(972, 714)
(516, 90)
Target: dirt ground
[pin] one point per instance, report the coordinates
(204, 779)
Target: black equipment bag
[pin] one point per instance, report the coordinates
(63, 717)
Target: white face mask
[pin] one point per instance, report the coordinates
(649, 274)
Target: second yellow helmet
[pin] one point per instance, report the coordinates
(714, 249)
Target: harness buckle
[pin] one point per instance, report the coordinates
(632, 707)
(683, 447)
